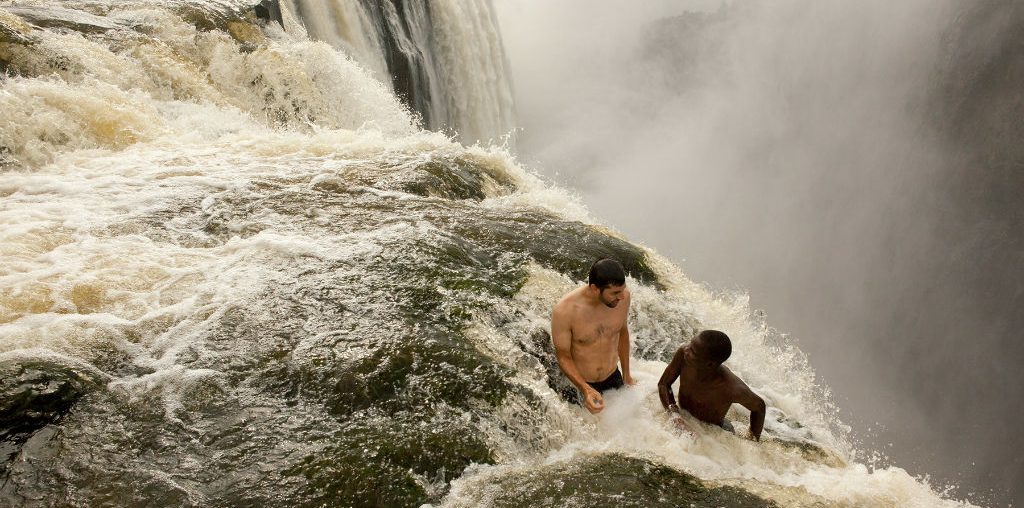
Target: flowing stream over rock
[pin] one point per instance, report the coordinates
(237, 270)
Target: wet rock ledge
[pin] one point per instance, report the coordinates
(36, 391)
(613, 480)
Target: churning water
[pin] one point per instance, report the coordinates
(238, 271)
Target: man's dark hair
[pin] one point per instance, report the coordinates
(607, 272)
(716, 345)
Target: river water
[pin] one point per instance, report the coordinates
(237, 270)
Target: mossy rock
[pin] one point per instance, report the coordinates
(386, 460)
(614, 480)
(568, 247)
(409, 373)
(456, 178)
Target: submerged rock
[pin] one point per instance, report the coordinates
(89, 17)
(13, 29)
(76, 20)
(609, 480)
(36, 391)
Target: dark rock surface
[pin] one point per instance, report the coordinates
(35, 392)
(616, 480)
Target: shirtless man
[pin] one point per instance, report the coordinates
(706, 387)
(588, 329)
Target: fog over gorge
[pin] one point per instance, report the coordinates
(854, 166)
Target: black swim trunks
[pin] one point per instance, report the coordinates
(613, 381)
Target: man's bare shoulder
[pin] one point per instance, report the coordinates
(678, 360)
(737, 386)
(566, 306)
(568, 300)
(680, 354)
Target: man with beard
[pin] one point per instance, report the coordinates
(589, 332)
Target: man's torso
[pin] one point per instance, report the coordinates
(708, 401)
(595, 338)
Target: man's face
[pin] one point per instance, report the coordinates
(693, 352)
(612, 295)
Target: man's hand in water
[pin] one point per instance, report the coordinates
(628, 380)
(680, 424)
(592, 400)
(678, 421)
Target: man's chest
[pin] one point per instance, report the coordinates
(703, 394)
(591, 329)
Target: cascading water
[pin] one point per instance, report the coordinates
(237, 273)
(442, 58)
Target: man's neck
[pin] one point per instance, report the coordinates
(709, 373)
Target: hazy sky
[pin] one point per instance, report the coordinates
(785, 149)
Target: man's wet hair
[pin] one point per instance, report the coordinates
(607, 272)
(716, 345)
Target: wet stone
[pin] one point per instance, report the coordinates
(64, 18)
(410, 373)
(13, 29)
(216, 15)
(35, 393)
(565, 246)
(269, 11)
(453, 179)
(615, 480)
(392, 459)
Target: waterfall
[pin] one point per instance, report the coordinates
(443, 58)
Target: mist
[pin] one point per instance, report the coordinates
(853, 166)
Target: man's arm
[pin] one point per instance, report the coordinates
(561, 337)
(668, 399)
(624, 354)
(757, 407)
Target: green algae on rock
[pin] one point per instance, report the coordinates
(610, 480)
